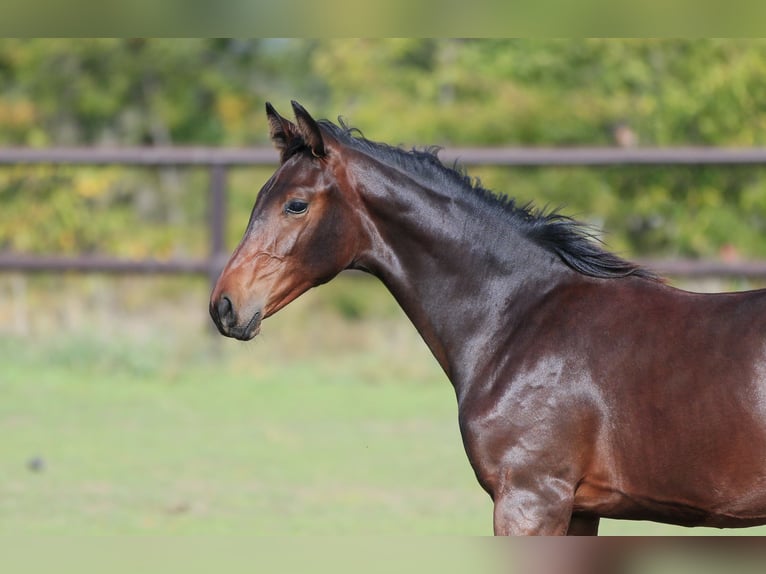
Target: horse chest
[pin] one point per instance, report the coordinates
(535, 426)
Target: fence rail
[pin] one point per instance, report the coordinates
(499, 156)
(219, 160)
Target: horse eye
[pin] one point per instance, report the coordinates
(296, 206)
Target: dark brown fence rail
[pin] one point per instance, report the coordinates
(219, 160)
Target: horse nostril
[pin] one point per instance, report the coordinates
(225, 309)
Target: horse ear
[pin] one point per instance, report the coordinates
(281, 130)
(309, 130)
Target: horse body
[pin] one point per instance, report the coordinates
(685, 391)
(643, 429)
(585, 386)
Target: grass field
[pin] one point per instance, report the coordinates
(132, 418)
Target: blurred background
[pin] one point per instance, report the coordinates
(123, 413)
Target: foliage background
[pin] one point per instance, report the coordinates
(409, 91)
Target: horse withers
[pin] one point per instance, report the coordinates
(586, 386)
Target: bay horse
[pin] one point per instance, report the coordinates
(586, 386)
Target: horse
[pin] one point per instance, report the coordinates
(586, 386)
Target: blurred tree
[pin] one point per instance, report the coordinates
(122, 92)
(579, 92)
(409, 91)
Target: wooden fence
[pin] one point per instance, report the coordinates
(218, 161)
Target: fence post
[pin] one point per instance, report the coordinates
(217, 215)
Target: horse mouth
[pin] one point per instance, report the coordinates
(244, 333)
(250, 330)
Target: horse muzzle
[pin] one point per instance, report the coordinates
(231, 323)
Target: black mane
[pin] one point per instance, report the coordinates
(573, 242)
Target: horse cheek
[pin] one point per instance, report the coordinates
(331, 250)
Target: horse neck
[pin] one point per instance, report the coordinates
(458, 268)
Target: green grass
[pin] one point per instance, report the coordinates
(145, 433)
(139, 422)
(216, 451)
